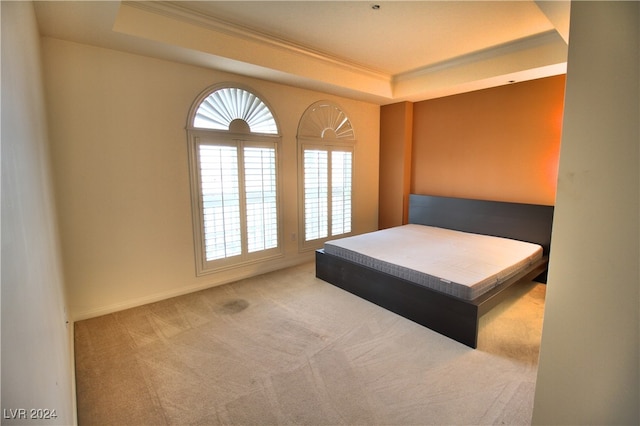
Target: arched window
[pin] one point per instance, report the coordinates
(325, 141)
(233, 154)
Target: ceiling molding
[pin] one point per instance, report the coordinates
(439, 85)
(174, 10)
(171, 30)
(527, 43)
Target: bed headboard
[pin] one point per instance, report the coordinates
(525, 222)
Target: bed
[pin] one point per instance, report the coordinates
(415, 284)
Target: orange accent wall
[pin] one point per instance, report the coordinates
(396, 124)
(499, 144)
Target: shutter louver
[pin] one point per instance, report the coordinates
(340, 192)
(261, 198)
(316, 189)
(220, 201)
(223, 106)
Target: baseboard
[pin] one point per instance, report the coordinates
(242, 274)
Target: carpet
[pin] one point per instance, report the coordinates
(288, 348)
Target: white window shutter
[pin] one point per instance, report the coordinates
(220, 201)
(261, 198)
(233, 139)
(316, 190)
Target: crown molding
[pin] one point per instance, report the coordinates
(175, 10)
(542, 39)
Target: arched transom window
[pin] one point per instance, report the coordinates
(233, 141)
(326, 140)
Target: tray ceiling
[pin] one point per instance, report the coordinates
(382, 52)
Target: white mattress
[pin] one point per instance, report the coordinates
(457, 263)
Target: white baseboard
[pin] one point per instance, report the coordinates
(242, 273)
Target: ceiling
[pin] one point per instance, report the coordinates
(377, 51)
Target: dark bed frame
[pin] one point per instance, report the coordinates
(448, 315)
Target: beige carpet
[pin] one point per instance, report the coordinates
(287, 348)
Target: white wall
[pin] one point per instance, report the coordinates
(37, 360)
(119, 150)
(588, 371)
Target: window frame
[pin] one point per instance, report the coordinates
(319, 131)
(240, 140)
(329, 147)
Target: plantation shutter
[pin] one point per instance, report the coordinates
(220, 201)
(340, 192)
(261, 198)
(233, 157)
(316, 190)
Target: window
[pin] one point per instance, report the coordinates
(326, 141)
(233, 145)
